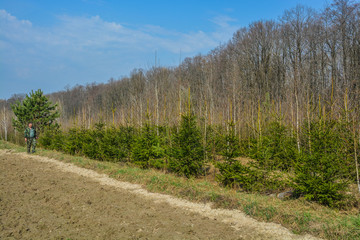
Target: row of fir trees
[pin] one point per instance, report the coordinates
(320, 166)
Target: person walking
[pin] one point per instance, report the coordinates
(30, 138)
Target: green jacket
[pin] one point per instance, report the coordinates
(27, 132)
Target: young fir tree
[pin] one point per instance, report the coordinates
(232, 172)
(229, 167)
(35, 108)
(322, 168)
(232, 147)
(116, 143)
(53, 138)
(276, 148)
(187, 150)
(92, 139)
(252, 176)
(146, 146)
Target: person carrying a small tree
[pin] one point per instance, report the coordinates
(30, 138)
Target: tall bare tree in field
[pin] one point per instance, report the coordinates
(4, 121)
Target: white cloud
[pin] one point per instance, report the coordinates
(12, 28)
(5, 16)
(223, 21)
(77, 33)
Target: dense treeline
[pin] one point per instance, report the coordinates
(285, 93)
(289, 64)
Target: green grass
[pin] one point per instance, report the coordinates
(298, 215)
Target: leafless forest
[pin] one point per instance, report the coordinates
(303, 64)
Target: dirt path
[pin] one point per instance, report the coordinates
(42, 198)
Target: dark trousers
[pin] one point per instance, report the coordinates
(31, 142)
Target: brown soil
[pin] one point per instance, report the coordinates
(43, 198)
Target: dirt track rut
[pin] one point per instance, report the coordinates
(42, 198)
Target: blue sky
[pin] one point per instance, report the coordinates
(52, 44)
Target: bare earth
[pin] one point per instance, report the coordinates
(42, 198)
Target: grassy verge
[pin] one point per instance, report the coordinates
(298, 215)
